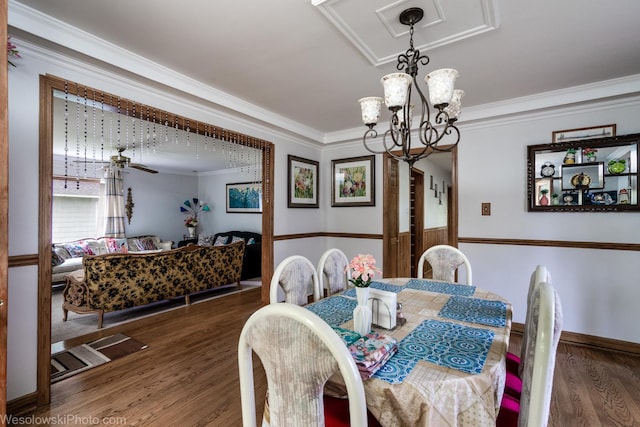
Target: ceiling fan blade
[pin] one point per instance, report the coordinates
(73, 162)
(142, 167)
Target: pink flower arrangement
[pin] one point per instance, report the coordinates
(589, 152)
(363, 269)
(191, 222)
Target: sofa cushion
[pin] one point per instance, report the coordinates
(61, 251)
(206, 240)
(75, 249)
(116, 245)
(144, 244)
(56, 259)
(235, 239)
(94, 247)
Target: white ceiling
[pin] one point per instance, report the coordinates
(303, 64)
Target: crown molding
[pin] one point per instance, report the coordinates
(568, 101)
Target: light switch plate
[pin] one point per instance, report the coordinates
(486, 209)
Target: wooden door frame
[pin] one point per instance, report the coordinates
(416, 197)
(47, 85)
(4, 212)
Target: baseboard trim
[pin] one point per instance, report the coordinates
(590, 341)
(23, 405)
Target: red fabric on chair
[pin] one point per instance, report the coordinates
(336, 413)
(509, 411)
(513, 385)
(513, 362)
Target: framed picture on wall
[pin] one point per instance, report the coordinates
(603, 131)
(353, 181)
(303, 178)
(244, 197)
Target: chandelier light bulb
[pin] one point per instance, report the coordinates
(455, 105)
(371, 107)
(441, 84)
(396, 87)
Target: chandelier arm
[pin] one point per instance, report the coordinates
(450, 147)
(371, 134)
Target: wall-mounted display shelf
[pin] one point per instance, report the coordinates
(584, 175)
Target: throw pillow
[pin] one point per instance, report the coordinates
(62, 252)
(75, 250)
(91, 247)
(146, 244)
(56, 259)
(205, 240)
(117, 245)
(220, 241)
(251, 241)
(86, 247)
(235, 239)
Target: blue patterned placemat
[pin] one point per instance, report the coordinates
(446, 344)
(334, 310)
(441, 287)
(377, 285)
(475, 310)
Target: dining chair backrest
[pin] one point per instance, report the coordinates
(544, 334)
(297, 278)
(299, 352)
(333, 274)
(444, 261)
(539, 275)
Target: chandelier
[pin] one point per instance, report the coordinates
(397, 97)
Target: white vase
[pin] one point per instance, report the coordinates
(192, 232)
(362, 312)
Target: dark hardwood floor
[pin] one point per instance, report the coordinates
(188, 376)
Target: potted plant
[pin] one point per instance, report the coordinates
(544, 200)
(570, 156)
(363, 269)
(590, 154)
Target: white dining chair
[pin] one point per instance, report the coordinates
(532, 409)
(293, 280)
(514, 362)
(332, 271)
(299, 353)
(445, 261)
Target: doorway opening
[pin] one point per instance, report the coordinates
(48, 86)
(432, 189)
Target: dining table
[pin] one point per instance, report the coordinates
(449, 368)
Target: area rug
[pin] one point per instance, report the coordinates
(86, 356)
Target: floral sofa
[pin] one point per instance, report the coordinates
(252, 259)
(67, 257)
(116, 281)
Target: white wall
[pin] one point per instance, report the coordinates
(599, 288)
(212, 189)
(157, 199)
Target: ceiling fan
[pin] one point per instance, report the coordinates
(123, 161)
